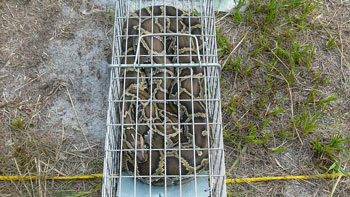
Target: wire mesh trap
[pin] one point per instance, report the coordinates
(164, 131)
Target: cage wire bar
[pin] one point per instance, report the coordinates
(210, 182)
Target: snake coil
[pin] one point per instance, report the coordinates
(165, 105)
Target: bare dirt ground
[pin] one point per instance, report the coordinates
(53, 100)
(53, 94)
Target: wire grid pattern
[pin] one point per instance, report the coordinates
(112, 174)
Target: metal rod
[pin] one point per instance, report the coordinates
(164, 65)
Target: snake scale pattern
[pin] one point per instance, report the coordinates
(164, 95)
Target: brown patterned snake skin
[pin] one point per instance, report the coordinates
(151, 85)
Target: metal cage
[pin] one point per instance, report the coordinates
(210, 182)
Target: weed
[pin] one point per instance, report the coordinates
(234, 102)
(330, 153)
(286, 134)
(18, 124)
(235, 65)
(331, 42)
(242, 152)
(223, 44)
(237, 16)
(247, 71)
(328, 100)
(278, 150)
(307, 121)
(309, 58)
(228, 136)
(277, 111)
(296, 55)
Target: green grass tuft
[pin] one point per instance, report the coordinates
(331, 153)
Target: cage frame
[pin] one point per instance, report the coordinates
(210, 62)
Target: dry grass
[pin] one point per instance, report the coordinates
(29, 143)
(29, 151)
(285, 91)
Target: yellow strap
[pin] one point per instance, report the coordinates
(228, 181)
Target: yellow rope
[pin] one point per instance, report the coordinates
(243, 180)
(228, 181)
(27, 178)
